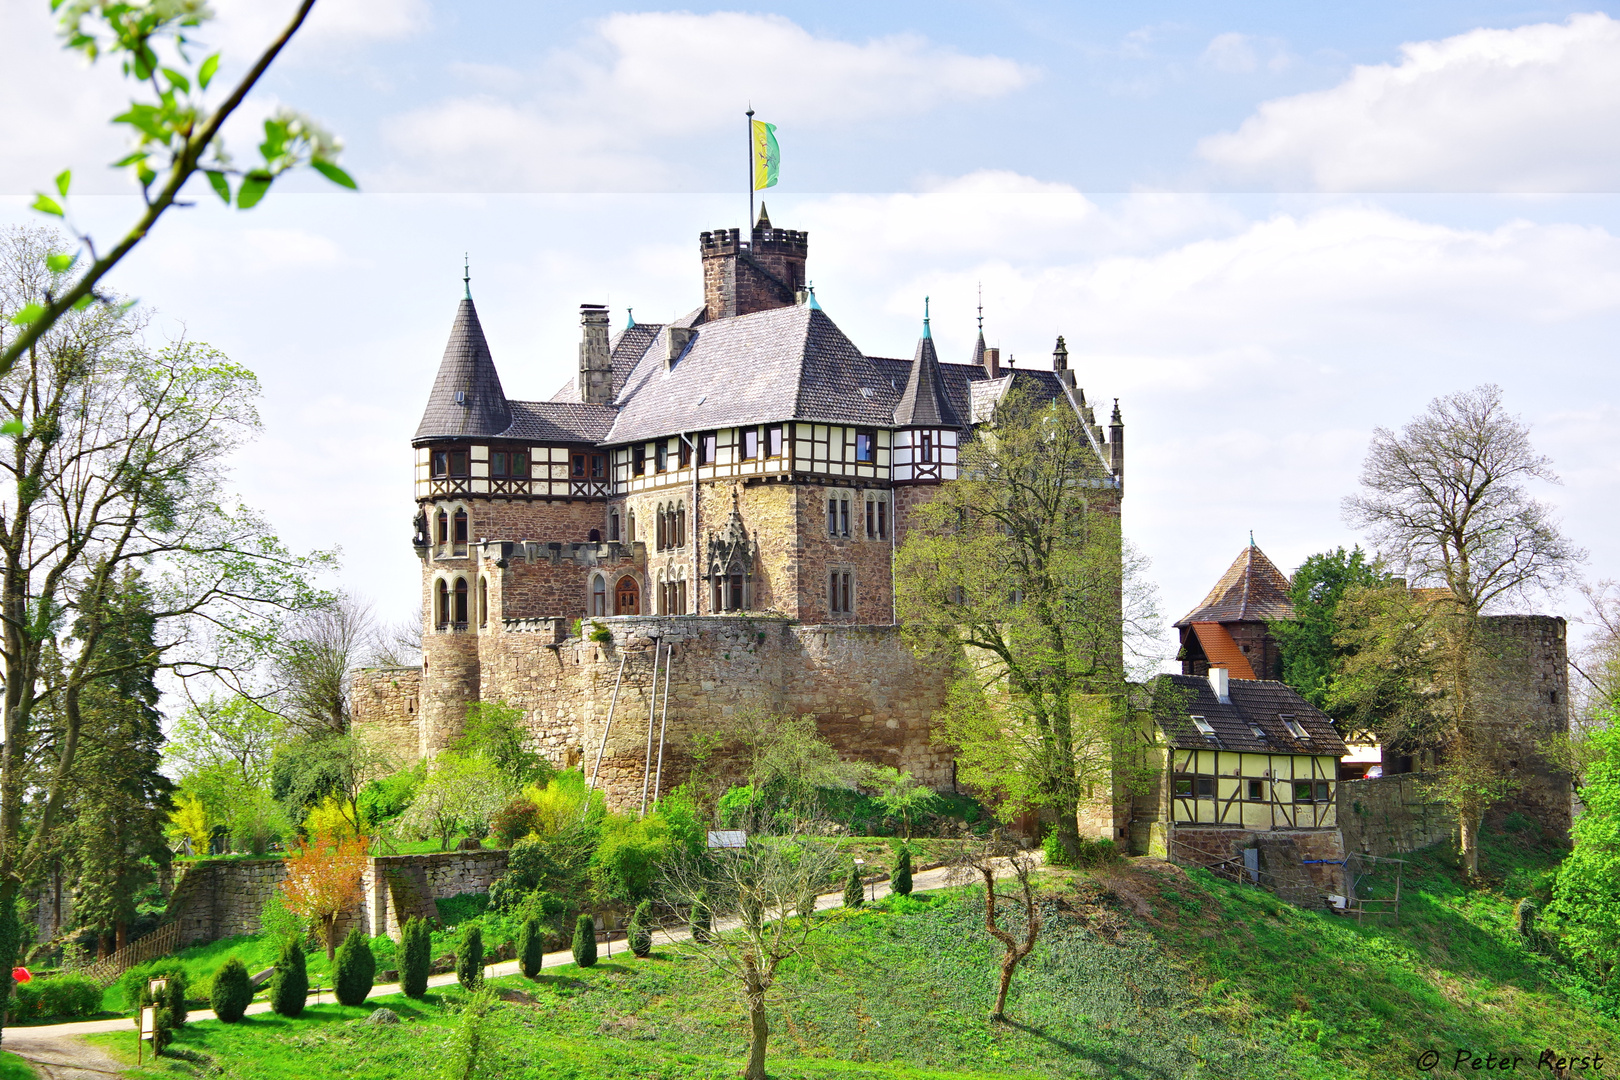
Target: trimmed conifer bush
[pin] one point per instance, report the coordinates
(531, 947)
(415, 957)
(232, 992)
(585, 941)
(289, 986)
(173, 997)
(854, 891)
(902, 872)
(702, 922)
(354, 969)
(640, 935)
(470, 958)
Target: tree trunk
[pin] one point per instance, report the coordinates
(761, 1029)
(121, 934)
(1068, 833)
(1468, 832)
(999, 1013)
(331, 937)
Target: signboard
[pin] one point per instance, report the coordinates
(148, 1021)
(727, 838)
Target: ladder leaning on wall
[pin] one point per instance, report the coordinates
(652, 776)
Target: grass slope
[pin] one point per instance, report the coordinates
(1142, 972)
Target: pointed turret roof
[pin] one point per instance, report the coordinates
(925, 402)
(1251, 590)
(467, 400)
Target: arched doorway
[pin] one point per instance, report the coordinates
(627, 597)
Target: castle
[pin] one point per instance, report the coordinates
(703, 521)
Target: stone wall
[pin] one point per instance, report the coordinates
(1392, 815)
(1321, 851)
(386, 704)
(220, 898)
(1526, 701)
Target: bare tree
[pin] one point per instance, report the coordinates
(985, 860)
(1446, 500)
(759, 889)
(315, 665)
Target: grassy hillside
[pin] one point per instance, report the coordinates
(1145, 971)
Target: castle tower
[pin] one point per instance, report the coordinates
(925, 444)
(742, 278)
(1229, 627)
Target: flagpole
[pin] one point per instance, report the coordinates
(750, 230)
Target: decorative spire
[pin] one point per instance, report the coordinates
(466, 274)
(978, 346)
(925, 402)
(927, 333)
(1117, 419)
(764, 221)
(812, 305)
(630, 316)
(1251, 538)
(981, 310)
(1060, 355)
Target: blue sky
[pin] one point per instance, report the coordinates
(1266, 228)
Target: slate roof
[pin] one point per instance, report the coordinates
(1251, 590)
(925, 402)
(559, 421)
(1262, 702)
(625, 350)
(467, 369)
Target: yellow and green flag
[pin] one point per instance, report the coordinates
(766, 154)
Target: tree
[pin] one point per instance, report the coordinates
(496, 732)
(901, 882)
(901, 795)
(986, 860)
(173, 131)
(310, 770)
(854, 889)
(232, 991)
(1446, 502)
(416, 957)
(1583, 909)
(323, 881)
(460, 793)
(639, 936)
(470, 958)
(289, 985)
(1017, 580)
(783, 758)
(585, 941)
(531, 948)
(314, 667)
(763, 884)
(1310, 654)
(354, 971)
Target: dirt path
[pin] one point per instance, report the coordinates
(60, 1054)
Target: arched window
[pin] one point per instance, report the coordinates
(660, 596)
(441, 607)
(444, 528)
(460, 615)
(459, 538)
(483, 601)
(599, 595)
(717, 601)
(627, 597)
(680, 597)
(736, 597)
(680, 526)
(661, 531)
(595, 536)
(630, 533)
(613, 526)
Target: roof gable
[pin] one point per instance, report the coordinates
(1251, 590)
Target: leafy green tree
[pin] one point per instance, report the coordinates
(531, 947)
(1311, 655)
(497, 732)
(232, 991)
(585, 941)
(639, 936)
(459, 793)
(309, 771)
(854, 890)
(901, 795)
(1017, 580)
(354, 970)
(470, 958)
(416, 957)
(901, 882)
(289, 984)
(1583, 910)
(176, 132)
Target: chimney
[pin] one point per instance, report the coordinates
(595, 364)
(992, 363)
(679, 338)
(1218, 683)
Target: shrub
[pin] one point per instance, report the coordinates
(173, 997)
(354, 970)
(628, 856)
(162, 1029)
(1090, 854)
(901, 882)
(640, 935)
(702, 922)
(470, 958)
(69, 995)
(740, 808)
(517, 819)
(289, 986)
(416, 957)
(27, 1001)
(467, 1049)
(132, 984)
(531, 947)
(854, 891)
(585, 941)
(232, 992)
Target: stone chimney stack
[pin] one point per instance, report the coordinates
(992, 363)
(595, 362)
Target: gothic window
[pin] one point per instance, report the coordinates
(680, 526)
(866, 446)
(459, 539)
(750, 443)
(598, 595)
(441, 606)
(627, 597)
(661, 533)
(773, 441)
(717, 601)
(444, 528)
(839, 596)
(661, 598)
(680, 597)
(832, 516)
(613, 525)
(661, 454)
(630, 536)
(736, 597)
(460, 615)
(708, 448)
(877, 517)
(843, 517)
(483, 601)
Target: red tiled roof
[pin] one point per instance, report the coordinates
(1222, 651)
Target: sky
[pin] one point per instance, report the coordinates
(1266, 228)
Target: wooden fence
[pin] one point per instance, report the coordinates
(160, 942)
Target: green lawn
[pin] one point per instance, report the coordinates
(13, 1067)
(1142, 972)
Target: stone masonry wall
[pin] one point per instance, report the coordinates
(386, 704)
(1526, 702)
(1392, 815)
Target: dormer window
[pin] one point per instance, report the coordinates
(1294, 728)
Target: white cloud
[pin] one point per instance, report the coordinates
(1244, 54)
(1532, 109)
(245, 27)
(564, 122)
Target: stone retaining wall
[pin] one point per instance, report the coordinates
(1392, 815)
